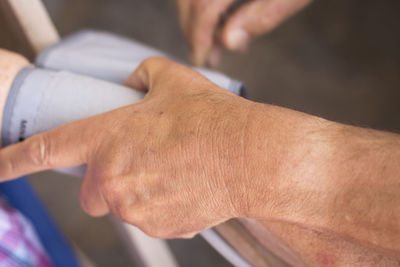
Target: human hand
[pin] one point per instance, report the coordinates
(200, 19)
(188, 156)
(171, 164)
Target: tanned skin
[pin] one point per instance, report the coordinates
(191, 155)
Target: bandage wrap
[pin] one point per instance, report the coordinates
(41, 100)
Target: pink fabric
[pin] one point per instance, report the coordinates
(19, 245)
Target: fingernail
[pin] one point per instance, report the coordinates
(238, 40)
(214, 57)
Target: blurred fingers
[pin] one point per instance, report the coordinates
(257, 18)
(199, 22)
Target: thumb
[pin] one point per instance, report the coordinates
(256, 18)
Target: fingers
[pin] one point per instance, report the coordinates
(200, 18)
(62, 147)
(184, 13)
(199, 21)
(214, 56)
(256, 18)
(92, 202)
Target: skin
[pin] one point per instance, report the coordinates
(313, 244)
(10, 65)
(199, 20)
(303, 246)
(192, 155)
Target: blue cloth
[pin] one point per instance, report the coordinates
(20, 195)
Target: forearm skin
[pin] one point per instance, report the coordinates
(339, 182)
(316, 248)
(10, 65)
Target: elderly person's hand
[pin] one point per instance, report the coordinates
(191, 155)
(173, 164)
(200, 21)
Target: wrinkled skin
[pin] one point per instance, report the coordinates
(164, 164)
(199, 19)
(303, 246)
(192, 155)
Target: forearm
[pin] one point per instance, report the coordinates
(326, 176)
(315, 248)
(364, 167)
(10, 65)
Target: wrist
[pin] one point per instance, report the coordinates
(286, 151)
(10, 65)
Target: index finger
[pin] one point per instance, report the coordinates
(65, 146)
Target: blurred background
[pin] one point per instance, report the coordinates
(339, 59)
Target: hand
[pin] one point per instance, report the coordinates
(189, 156)
(170, 164)
(199, 20)
(192, 155)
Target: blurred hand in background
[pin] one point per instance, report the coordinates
(201, 23)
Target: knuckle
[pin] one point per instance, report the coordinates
(126, 213)
(121, 200)
(129, 213)
(110, 185)
(39, 151)
(151, 61)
